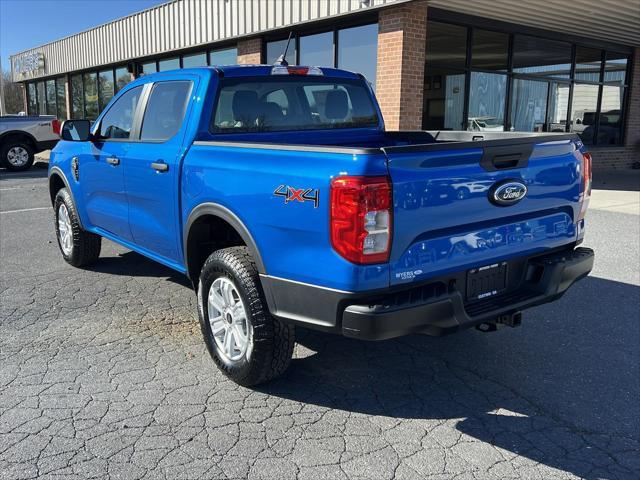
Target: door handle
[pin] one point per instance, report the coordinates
(113, 161)
(160, 166)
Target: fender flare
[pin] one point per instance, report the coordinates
(18, 133)
(217, 210)
(57, 171)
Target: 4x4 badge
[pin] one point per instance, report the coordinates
(292, 194)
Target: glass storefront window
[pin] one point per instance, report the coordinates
(168, 64)
(529, 105)
(194, 60)
(358, 50)
(106, 88)
(227, 56)
(583, 111)
(558, 106)
(615, 68)
(32, 106)
(122, 77)
(541, 57)
(149, 67)
(42, 99)
(90, 81)
(275, 49)
(487, 94)
(61, 98)
(610, 119)
(588, 63)
(490, 50)
(444, 99)
(77, 97)
(447, 44)
(317, 50)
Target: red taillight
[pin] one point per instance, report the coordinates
(587, 177)
(361, 218)
(55, 126)
(295, 70)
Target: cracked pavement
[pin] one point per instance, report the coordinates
(103, 373)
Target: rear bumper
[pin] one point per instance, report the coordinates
(434, 311)
(435, 308)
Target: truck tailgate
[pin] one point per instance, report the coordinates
(446, 218)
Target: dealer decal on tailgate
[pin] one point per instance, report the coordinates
(292, 194)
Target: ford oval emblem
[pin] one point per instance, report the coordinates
(507, 192)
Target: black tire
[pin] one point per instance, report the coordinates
(273, 340)
(10, 145)
(85, 248)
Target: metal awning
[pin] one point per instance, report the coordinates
(615, 21)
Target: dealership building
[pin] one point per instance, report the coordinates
(481, 65)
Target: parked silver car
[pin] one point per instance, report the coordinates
(21, 137)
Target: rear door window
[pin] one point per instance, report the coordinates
(165, 110)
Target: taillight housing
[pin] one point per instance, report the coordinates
(361, 218)
(55, 126)
(587, 178)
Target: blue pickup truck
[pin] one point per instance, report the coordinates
(279, 193)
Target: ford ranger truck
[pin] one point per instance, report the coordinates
(279, 193)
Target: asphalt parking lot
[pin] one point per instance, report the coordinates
(103, 373)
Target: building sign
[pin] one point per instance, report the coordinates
(28, 64)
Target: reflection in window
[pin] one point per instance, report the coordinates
(148, 68)
(583, 111)
(122, 78)
(228, 56)
(444, 99)
(118, 120)
(588, 63)
(61, 98)
(609, 129)
(169, 64)
(32, 107)
(615, 68)
(528, 105)
(275, 49)
(90, 81)
(77, 95)
(105, 87)
(447, 44)
(486, 101)
(358, 50)
(317, 50)
(539, 56)
(194, 60)
(558, 106)
(51, 97)
(490, 50)
(42, 99)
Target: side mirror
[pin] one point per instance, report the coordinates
(75, 130)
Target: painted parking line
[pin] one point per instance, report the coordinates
(26, 210)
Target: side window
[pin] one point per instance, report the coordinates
(165, 110)
(118, 120)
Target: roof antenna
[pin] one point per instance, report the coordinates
(282, 59)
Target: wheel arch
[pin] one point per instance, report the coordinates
(224, 218)
(12, 134)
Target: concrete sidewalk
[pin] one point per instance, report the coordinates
(616, 191)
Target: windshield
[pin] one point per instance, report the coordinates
(280, 103)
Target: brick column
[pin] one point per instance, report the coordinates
(402, 41)
(250, 51)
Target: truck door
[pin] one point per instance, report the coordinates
(152, 170)
(101, 174)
